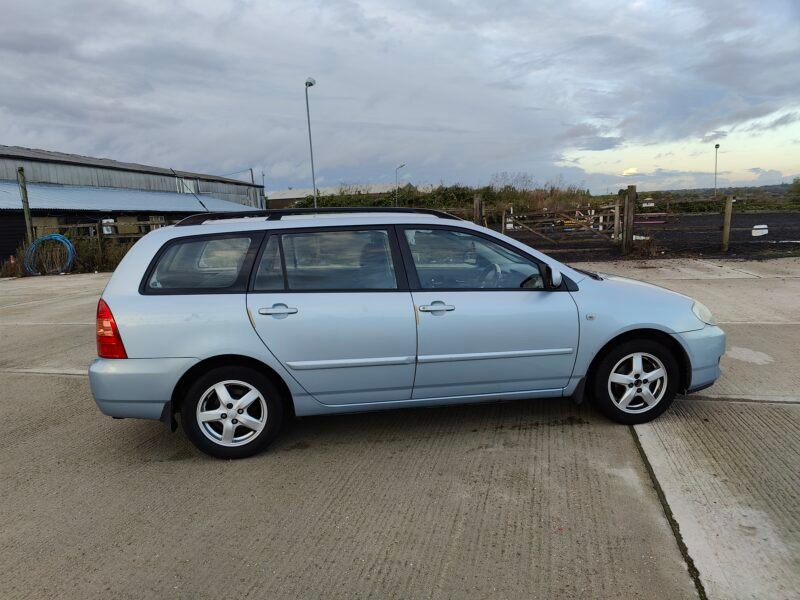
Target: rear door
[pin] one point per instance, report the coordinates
(487, 325)
(332, 304)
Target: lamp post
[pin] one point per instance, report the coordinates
(396, 183)
(716, 152)
(310, 82)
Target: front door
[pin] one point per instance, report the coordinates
(333, 306)
(487, 325)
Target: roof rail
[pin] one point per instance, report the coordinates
(276, 214)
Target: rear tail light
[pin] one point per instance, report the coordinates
(109, 342)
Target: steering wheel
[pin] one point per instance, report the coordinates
(535, 277)
(492, 276)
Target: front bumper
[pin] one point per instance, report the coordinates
(139, 388)
(704, 348)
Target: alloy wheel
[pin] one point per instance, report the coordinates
(231, 413)
(637, 382)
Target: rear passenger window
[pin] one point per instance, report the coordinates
(338, 260)
(201, 264)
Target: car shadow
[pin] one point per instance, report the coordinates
(147, 441)
(414, 424)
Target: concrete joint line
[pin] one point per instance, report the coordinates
(58, 372)
(673, 523)
(775, 400)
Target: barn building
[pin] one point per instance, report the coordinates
(68, 189)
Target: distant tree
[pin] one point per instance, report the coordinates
(512, 181)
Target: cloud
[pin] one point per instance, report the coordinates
(630, 171)
(457, 91)
(714, 136)
(767, 176)
(787, 119)
(587, 136)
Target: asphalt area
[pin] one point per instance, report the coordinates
(526, 499)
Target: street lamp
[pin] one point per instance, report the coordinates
(716, 152)
(396, 184)
(310, 82)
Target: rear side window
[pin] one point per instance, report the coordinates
(211, 264)
(328, 261)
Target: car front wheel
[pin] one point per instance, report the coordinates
(232, 412)
(636, 381)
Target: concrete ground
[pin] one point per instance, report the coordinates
(529, 499)
(728, 460)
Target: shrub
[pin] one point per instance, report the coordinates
(506, 190)
(51, 255)
(11, 267)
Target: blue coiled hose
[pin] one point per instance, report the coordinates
(30, 253)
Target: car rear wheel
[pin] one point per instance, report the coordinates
(232, 412)
(636, 381)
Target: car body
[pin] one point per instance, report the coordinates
(354, 311)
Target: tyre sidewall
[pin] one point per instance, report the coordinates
(271, 394)
(601, 396)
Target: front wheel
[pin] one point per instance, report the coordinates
(636, 381)
(232, 412)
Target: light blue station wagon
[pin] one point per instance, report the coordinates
(237, 322)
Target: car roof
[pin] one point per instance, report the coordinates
(305, 218)
(278, 214)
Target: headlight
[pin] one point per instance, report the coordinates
(703, 313)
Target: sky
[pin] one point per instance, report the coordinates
(598, 94)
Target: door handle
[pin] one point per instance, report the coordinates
(278, 309)
(436, 307)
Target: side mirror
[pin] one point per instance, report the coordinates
(554, 278)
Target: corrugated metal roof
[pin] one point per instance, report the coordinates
(19, 152)
(73, 197)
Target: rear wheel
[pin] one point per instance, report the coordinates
(232, 412)
(636, 381)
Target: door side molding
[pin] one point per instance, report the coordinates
(305, 365)
(434, 358)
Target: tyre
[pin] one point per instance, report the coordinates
(636, 381)
(232, 412)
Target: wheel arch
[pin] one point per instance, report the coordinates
(226, 360)
(647, 334)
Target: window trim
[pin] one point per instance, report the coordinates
(251, 282)
(413, 277)
(394, 247)
(238, 287)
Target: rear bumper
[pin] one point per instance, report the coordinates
(139, 388)
(705, 348)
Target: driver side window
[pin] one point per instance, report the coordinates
(446, 259)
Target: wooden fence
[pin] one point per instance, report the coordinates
(604, 227)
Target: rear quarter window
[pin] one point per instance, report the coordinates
(211, 264)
